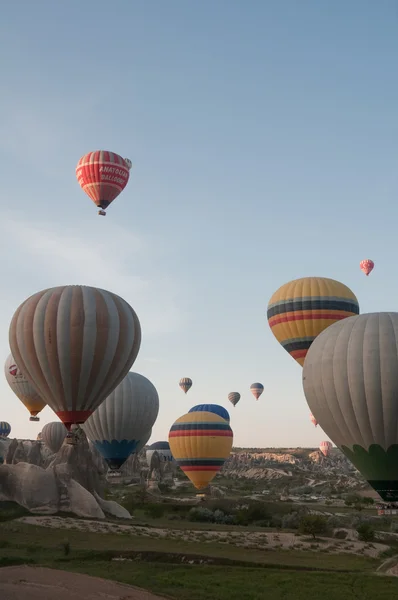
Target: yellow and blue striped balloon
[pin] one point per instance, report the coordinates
(200, 443)
(301, 309)
(5, 429)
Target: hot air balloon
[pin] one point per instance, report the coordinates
(103, 175)
(141, 444)
(185, 384)
(350, 381)
(126, 416)
(76, 344)
(302, 308)
(234, 398)
(313, 420)
(23, 389)
(200, 443)
(325, 448)
(5, 429)
(257, 389)
(163, 450)
(53, 435)
(367, 266)
(213, 408)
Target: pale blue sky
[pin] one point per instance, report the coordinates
(264, 139)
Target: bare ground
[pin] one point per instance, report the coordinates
(244, 539)
(38, 583)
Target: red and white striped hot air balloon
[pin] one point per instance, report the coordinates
(325, 448)
(103, 175)
(75, 344)
(366, 266)
(313, 420)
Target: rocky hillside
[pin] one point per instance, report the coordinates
(296, 470)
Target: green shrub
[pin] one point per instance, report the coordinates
(155, 511)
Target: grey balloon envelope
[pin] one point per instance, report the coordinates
(350, 381)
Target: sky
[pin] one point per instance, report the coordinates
(264, 142)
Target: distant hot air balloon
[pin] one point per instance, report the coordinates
(123, 419)
(23, 389)
(301, 309)
(163, 450)
(103, 175)
(257, 389)
(313, 420)
(53, 435)
(213, 408)
(234, 398)
(185, 384)
(367, 266)
(325, 448)
(76, 344)
(350, 381)
(5, 429)
(200, 443)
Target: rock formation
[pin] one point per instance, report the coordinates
(34, 455)
(78, 461)
(46, 492)
(73, 481)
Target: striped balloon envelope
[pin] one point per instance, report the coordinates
(5, 429)
(200, 443)
(301, 309)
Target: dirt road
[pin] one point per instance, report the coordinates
(36, 583)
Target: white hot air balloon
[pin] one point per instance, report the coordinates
(53, 435)
(350, 381)
(23, 388)
(120, 423)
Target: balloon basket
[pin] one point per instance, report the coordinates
(35, 419)
(102, 213)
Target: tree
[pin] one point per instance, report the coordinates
(367, 500)
(365, 532)
(313, 525)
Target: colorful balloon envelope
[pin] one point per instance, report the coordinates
(103, 175)
(313, 420)
(163, 450)
(234, 398)
(325, 448)
(257, 389)
(367, 266)
(5, 429)
(75, 344)
(23, 388)
(213, 408)
(200, 443)
(123, 419)
(185, 384)
(53, 435)
(301, 309)
(350, 381)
